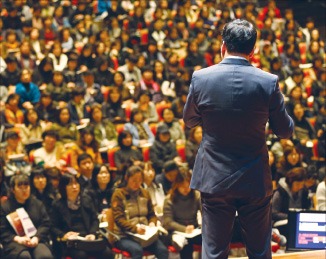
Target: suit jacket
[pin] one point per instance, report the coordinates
(233, 101)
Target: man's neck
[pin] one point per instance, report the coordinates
(234, 54)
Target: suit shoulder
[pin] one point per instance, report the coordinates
(203, 72)
(266, 74)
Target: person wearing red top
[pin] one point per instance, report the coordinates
(270, 6)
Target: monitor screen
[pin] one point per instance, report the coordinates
(307, 230)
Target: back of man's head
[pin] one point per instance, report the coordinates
(239, 36)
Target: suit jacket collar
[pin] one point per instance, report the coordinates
(235, 61)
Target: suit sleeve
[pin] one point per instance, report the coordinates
(279, 120)
(191, 114)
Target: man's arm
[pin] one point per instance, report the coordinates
(191, 114)
(279, 120)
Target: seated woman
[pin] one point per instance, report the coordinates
(291, 158)
(132, 206)
(46, 108)
(13, 114)
(13, 146)
(86, 144)
(104, 130)
(290, 194)
(75, 215)
(146, 106)
(155, 189)
(102, 185)
(58, 88)
(32, 128)
(112, 109)
(119, 82)
(175, 128)
(303, 130)
(163, 149)
(42, 189)
(77, 105)
(23, 245)
(66, 129)
(180, 213)
(139, 129)
(127, 154)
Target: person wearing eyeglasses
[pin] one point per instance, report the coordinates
(24, 245)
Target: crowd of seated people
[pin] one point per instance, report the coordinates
(92, 96)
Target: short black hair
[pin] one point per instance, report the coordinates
(18, 179)
(122, 136)
(11, 59)
(239, 36)
(50, 133)
(77, 91)
(83, 157)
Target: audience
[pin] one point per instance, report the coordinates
(69, 64)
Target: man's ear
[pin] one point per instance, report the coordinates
(223, 49)
(251, 54)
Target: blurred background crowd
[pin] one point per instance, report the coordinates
(105, 82)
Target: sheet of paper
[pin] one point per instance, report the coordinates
(195, 232)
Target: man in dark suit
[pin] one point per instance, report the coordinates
(233, 101)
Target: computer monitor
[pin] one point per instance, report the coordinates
(307, 230)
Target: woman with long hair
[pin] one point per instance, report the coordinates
(42, 189)
(32, 128)
(291, 158)
(154, 189)
(13, 114)
(59, 58)
(180, 213)
(175, 127)
(139, 129)
(66, 129)
(127, 154)
(104, 130)
(102, 184)
(87, 144)
(45, 72)
(132, 211)
(112, 109)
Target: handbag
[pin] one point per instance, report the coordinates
(87, 245)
